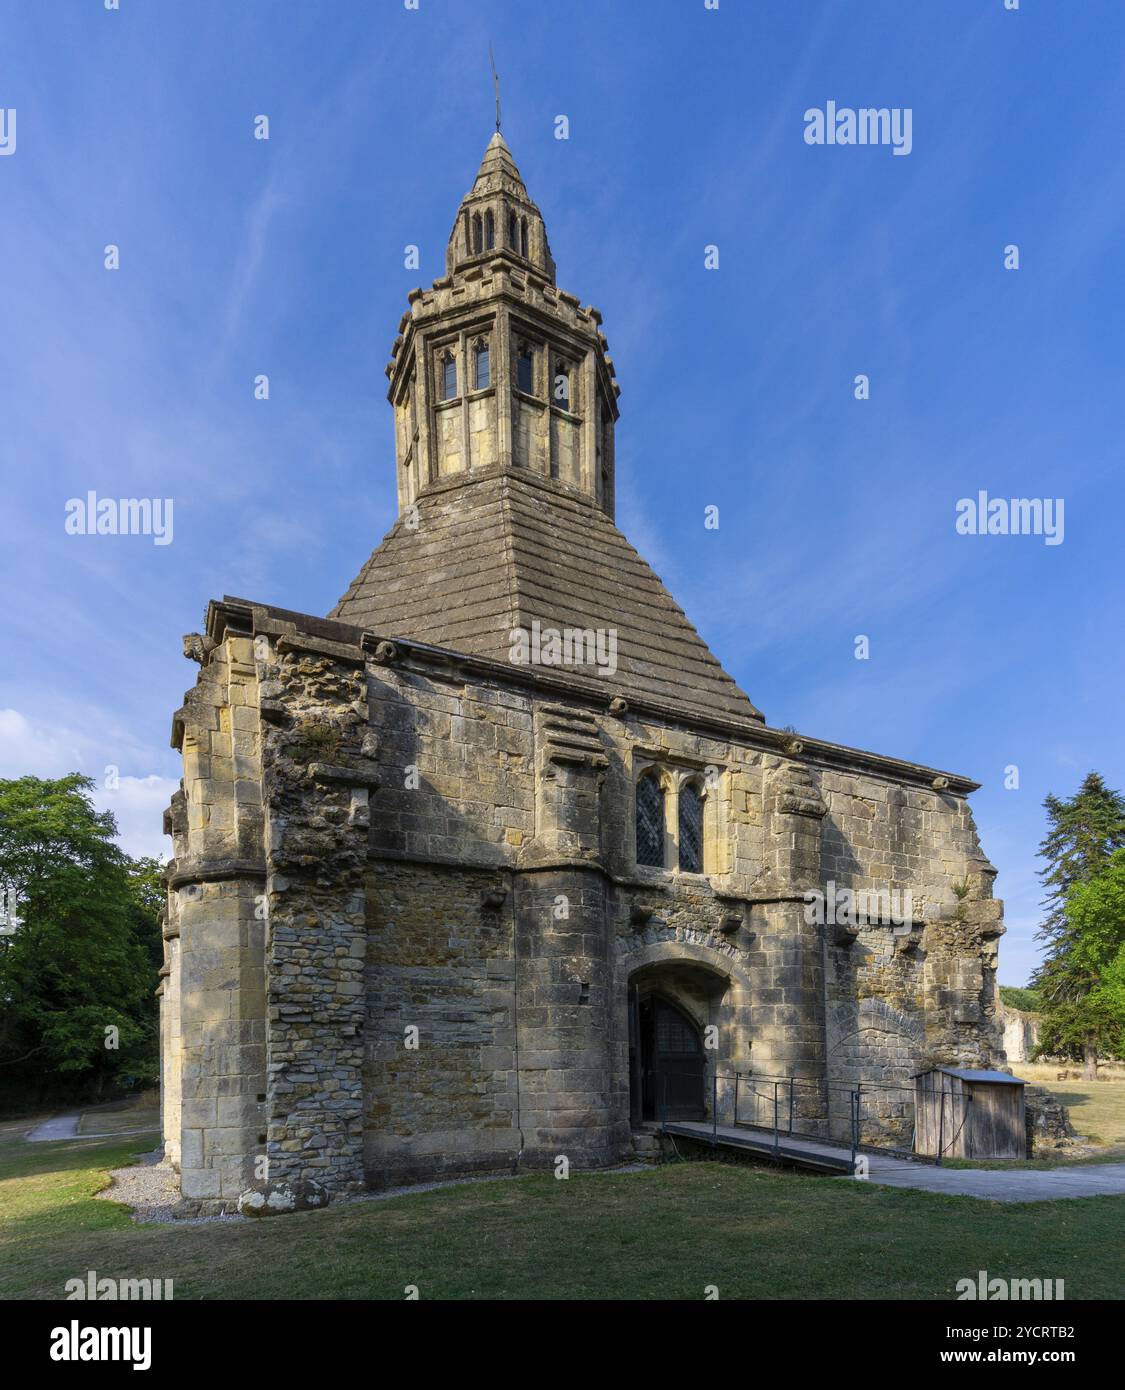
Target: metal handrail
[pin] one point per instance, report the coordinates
(746, 1081)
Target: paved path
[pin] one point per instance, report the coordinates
(1001, 1184)
(989, 1184)
(61, 1127)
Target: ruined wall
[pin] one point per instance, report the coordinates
(215, 882)
(1021, 1032)
(439, 961)
(318, 774)
(905, 996)
(370, 843)
(171, 1049)
(792, 998)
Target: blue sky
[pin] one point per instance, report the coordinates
(240, 256)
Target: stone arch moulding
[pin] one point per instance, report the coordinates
(875, 1044)
(872, 1015)
(729, 1010)
(721, 967)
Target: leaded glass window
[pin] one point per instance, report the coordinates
(448, 377)
(691, 830)
(524, 376)
(650, 823)
(480, 367)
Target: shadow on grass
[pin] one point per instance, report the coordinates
(663, 1232)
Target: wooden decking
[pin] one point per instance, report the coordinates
(821, 1155)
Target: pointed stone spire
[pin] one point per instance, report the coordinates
(498, 218)
(498, 165)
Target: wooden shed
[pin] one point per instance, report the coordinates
(963, 1113)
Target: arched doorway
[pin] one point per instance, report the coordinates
(667, 1064)
(706, 989)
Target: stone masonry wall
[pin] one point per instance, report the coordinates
(215, 882)
(370, 843)
(440, 962)
(317, 776)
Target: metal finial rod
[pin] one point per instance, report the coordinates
(495, 84)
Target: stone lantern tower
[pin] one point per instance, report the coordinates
(495, 367)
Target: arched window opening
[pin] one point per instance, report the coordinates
(523, 236)
(691, 829)
(525, 375)
(561, 387)
(480, 367)
(489, 231)
(448, 377)
(650, 822)
(478, 236)
(513, 231)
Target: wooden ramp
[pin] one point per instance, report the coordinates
(820, 1155)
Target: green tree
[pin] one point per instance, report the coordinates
(1017, 998)
(1086, 835)
(1087, 1015)
(77, 974)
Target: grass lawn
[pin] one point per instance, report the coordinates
(662, 1233)
(1097, 1108)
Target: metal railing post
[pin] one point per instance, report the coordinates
(941, 1125)
(715, 1108)
(775, 1140)
(663, 1101)
(790, 1105)
(736, 1076)
(855, 1125)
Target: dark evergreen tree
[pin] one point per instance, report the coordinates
(1084, 832)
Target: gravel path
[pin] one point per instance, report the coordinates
(151, 1186)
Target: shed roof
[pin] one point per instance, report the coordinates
(972, 1074)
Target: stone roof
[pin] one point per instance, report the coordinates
(498, 169)
(506, 550)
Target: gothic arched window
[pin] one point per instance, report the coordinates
(513, 231)
(523, 236)
(477, 234)
(691, 829)
(489, 231)
(480, 367)
(448, 377)
(650, 822)
(525, 374)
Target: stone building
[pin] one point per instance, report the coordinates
(496, 862)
